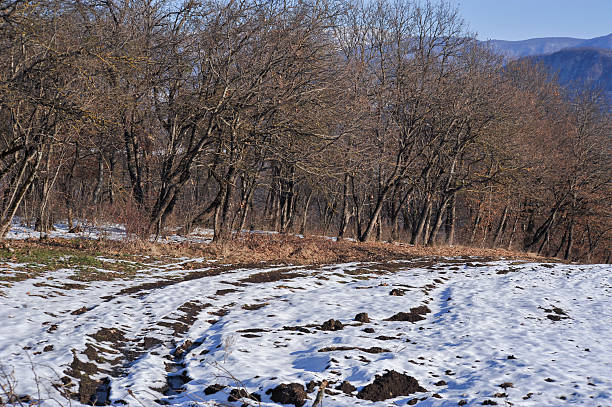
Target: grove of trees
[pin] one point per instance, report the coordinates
(373, 120)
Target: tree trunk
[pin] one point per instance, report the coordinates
(423, 217)
(438, 222)
(513, 232)
(450, 222)
(346, 214)
(305, 214)
(98, 190)
(27, 171)
(501, 227)
(570, 241)
(476, 223)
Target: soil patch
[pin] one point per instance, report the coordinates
(332, 325)
(374, 349)
(225, 291)
(214, 388)
(296, 328)
(272, 276)
(415, 314)
(390, 385)
(346, 387)
(239, 394)
(362, 317)
(112, 335)
(292, 393)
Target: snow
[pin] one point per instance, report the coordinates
(489, 324)
(21, 231)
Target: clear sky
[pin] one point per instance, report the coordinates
(522, 19)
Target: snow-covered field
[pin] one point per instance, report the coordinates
(471, 332)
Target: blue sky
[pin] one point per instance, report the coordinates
(522, 19)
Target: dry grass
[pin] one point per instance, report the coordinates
(268, 248)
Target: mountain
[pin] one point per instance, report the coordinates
(579, 66)
(539, 46)
(534, 46)
(599, 42)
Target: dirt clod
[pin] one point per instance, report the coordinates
(346, 387)
(415, 314)
(332, 325)
(79, 311)
(292, 393)
(311, 386)
(369, 330)
(239, 394)
(213, 388)
(440, 383)
(390, 385)
(362, 317)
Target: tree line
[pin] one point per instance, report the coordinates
(370, 120)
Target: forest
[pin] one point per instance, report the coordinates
(369, 120)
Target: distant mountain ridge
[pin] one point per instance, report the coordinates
(576, 62)
(540, 46)
(582, 65)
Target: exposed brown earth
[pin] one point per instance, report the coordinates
(390, 385)
(292, 393)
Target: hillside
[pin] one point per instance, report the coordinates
(549, 45)
(580, 65)
(575, 61)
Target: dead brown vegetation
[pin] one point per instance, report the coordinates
(270, 248)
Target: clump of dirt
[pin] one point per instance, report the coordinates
(398, 292)
(150, 342)
(311, 386)
(79, 311)
(271, 276)
(362, 317)
(346, 387)
(369, 330)
(296, 328)
(332, 325)
(440, 383)
(225, 291)
(390, 385)
(415, 314)
(555, 314)
(385, 338)
(90, 391)
(112, 335)
(214, 388)
(292, 393)
(373, 349)
(239, 394)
